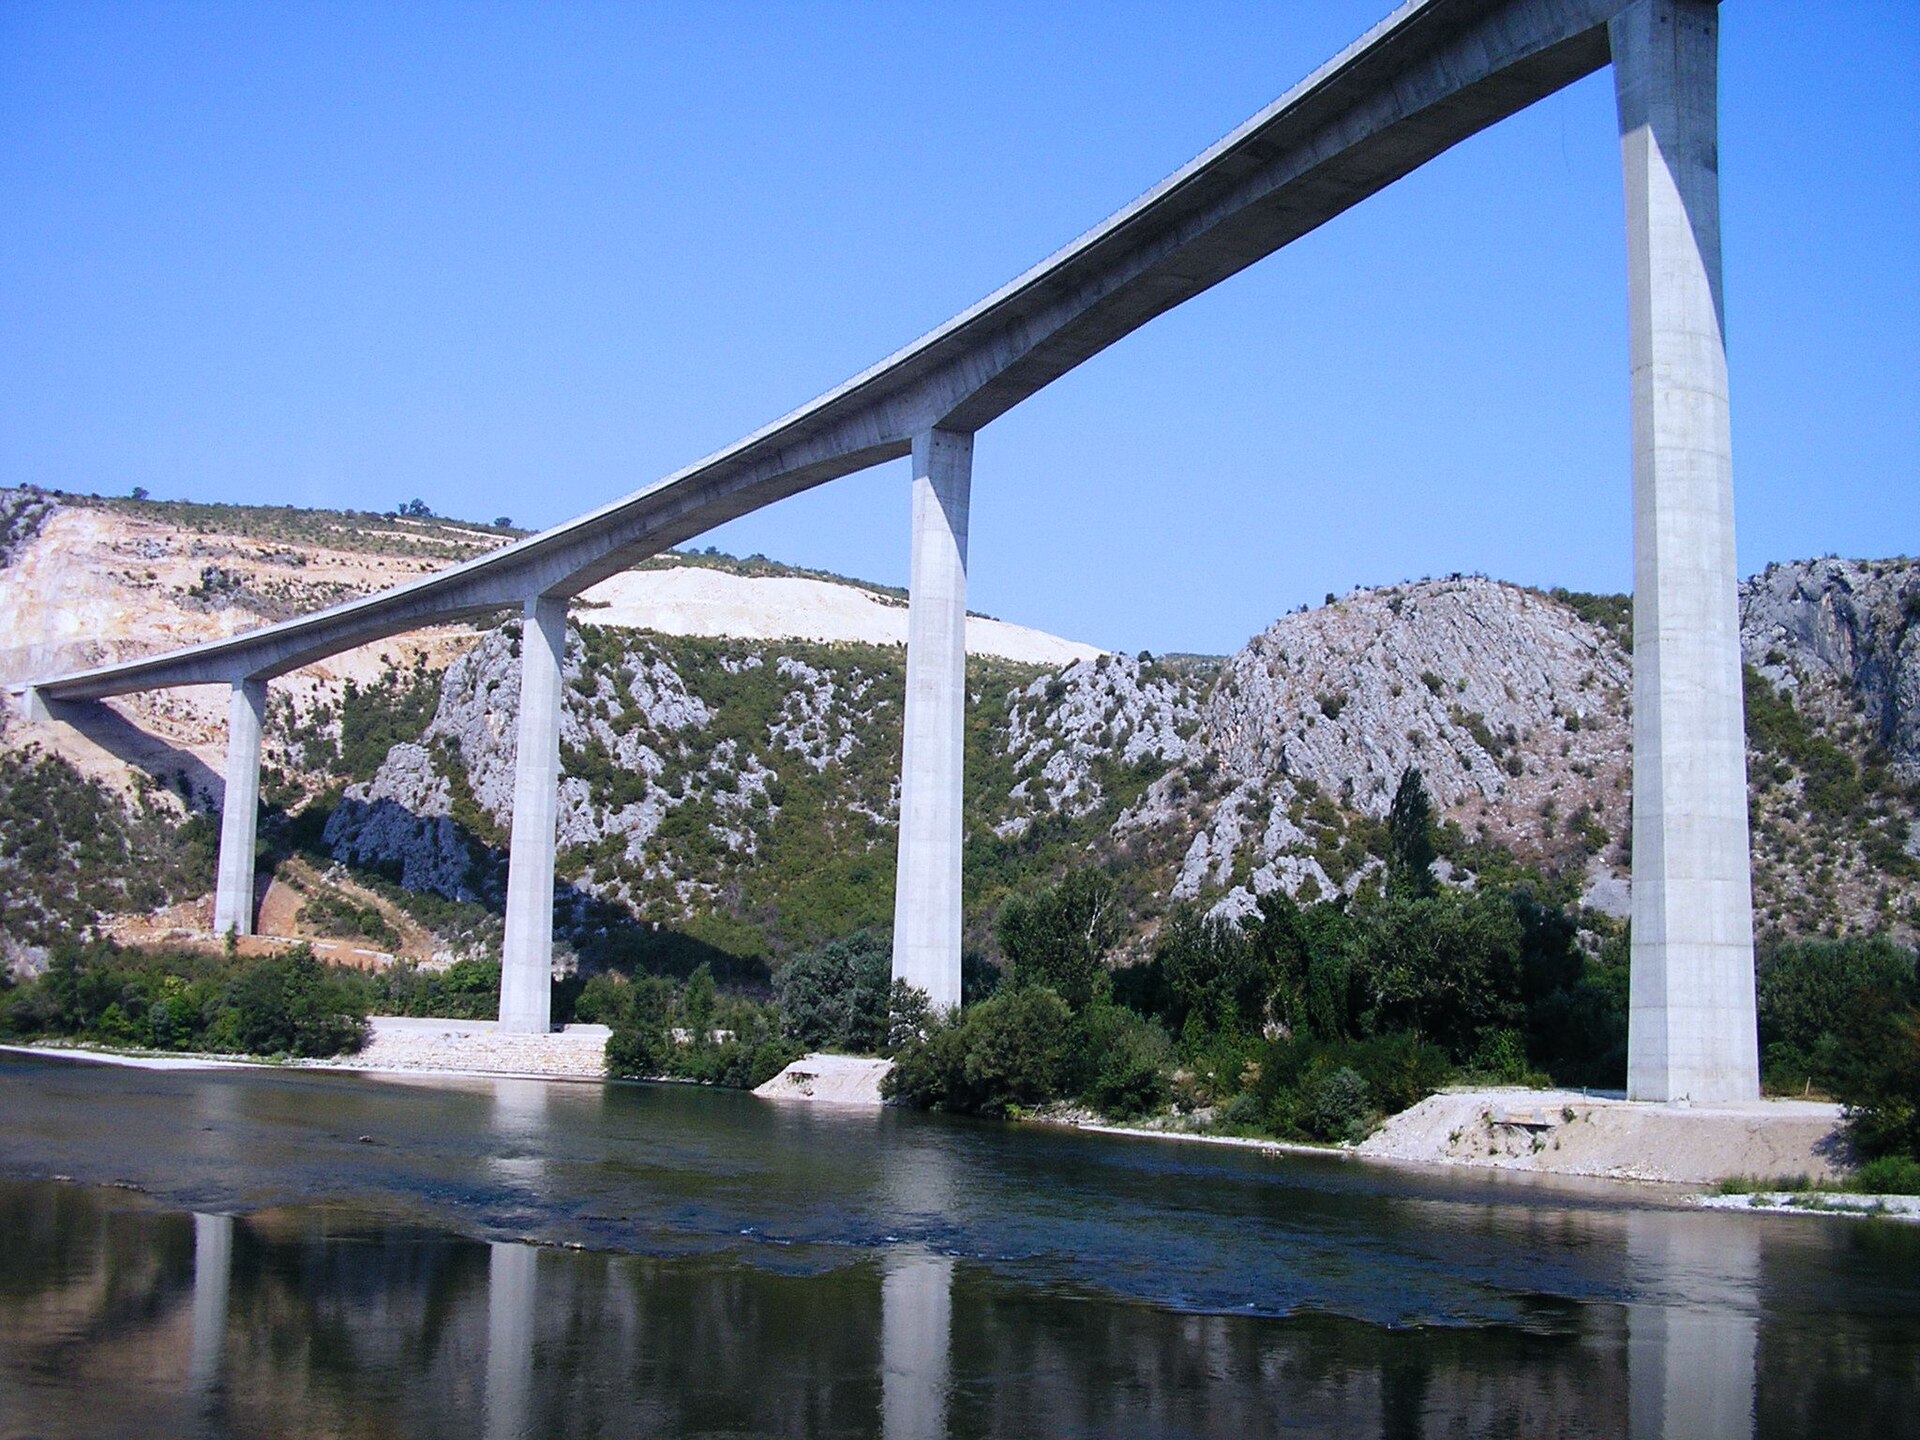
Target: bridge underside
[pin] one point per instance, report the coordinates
(1428, 77)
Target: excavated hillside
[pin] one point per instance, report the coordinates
(736, 792)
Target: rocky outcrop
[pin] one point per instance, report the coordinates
(402, 822)
(22, 513)
(1512, 707)
(1840, 633)
(746, 777)
(1272, 771)
(1063, 730)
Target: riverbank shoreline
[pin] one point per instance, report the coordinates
(151, 1060)
(1520, 1111)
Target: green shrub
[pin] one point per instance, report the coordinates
(1879, 1081)
(1298, 1097)
(695, 1033)
(1447, 966)
(1335, 1105)
(837, 996)
(1128, 1060)
(466, 990)
(1011, 1051)
(1812, 997)
(1888, 1175)
(1058, 937)
(288, 1004)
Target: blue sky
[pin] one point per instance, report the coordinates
(522, 260)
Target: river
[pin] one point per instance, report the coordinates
(267, 1252)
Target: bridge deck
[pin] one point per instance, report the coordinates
(1427, 77)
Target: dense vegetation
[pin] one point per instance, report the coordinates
(1312, 1022)
(1302, 1021)
(1843, 1017)
(1814, 800)
(691, 1030)
(70, 848)
(289, 1004)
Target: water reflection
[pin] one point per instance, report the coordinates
(924, 1192)
(757, 1270)
(519, 1123)
(1692, 1345)
(212, 1278)
(510, 1316)
(916, 1321)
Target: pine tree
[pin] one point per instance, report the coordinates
(1410, 852)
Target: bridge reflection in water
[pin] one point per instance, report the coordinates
(511, 1309)
(119, 1319)
(1692, 1346)
(212, 1278)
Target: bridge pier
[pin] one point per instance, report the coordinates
(240, 810)
(1691, 1030)
(926, 902)
(526, 953)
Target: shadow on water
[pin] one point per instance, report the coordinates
(897, 1276)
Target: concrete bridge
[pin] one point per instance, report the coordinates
(1429, 76)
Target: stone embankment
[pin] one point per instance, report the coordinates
(479, 1047)
(1567, 1133)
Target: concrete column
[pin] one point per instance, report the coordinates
(926, 902)
(240, 810)
(1691, 1029)
(526, 955)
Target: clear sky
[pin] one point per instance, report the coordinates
(520, 260)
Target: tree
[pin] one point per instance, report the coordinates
(838, 994)
(1445, 966)
(1815, 995)
(1410, 852)
(1060, 936)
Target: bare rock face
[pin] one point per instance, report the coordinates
(1063, 729)
(1512, 706)
(403, 818)
(1491, 691)
(1830, 632)
(1274, 771)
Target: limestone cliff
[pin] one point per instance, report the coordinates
(742, 787)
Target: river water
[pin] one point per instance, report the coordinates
(254, 1252)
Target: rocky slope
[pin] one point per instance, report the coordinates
(745, 780)
(738, 791)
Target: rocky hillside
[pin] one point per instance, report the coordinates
(734, 795)
(746, 790)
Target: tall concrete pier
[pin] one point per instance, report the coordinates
(526, 952)
(240, 810)
(1691, 1029)
(926, 901)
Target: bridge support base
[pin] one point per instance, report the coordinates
(526, 954)
(926, 904)
(1691, 1028)
(240, 810)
